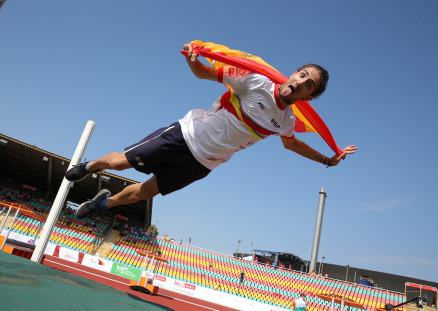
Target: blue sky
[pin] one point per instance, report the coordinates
(118, 63)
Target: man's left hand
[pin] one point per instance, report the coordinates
(337, 158)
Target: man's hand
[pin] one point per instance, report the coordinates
(302, 149)
(348, 150)
(199, 70)
(191, 58)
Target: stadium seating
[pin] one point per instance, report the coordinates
(74, 236)
(262, 283)
(276, 287)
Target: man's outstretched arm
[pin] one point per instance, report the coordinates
(199, 69)
(304, 150)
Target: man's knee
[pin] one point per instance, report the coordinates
(148, 189)
(118, 161)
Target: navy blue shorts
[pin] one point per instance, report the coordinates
(165, 154)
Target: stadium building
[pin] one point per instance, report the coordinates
(272, 282)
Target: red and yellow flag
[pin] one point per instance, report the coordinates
(307, 119)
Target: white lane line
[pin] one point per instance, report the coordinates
(192, 303)
(86, 272)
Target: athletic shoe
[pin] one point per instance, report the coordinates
(93, 205)
(77, 172)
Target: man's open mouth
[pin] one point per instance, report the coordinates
(292, 89)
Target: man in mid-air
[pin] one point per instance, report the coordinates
(190, 149)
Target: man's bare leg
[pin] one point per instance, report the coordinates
(134, 193)
(112, 161)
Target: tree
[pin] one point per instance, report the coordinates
(153, 229)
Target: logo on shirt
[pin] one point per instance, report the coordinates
(274, 123)
(261, 105)
(230, 71)
(139, 161)
(240, 71)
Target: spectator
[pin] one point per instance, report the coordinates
(434, 301)
(425, 299)
(134, 240)
(125, 238)
(300, 304)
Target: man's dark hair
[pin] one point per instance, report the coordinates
(303, 295)
(324, 79)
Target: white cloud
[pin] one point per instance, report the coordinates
(403, 260)
(381, 206)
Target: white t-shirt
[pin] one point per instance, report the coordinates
(214, 136)
(300, 303)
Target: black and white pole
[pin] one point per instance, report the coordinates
(318, 226)
(62, 195)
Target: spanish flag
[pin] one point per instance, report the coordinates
(307, 119)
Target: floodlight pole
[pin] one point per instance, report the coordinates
(62, 195)
(318, 226)
(238, 247)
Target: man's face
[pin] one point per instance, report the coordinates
(300, 85)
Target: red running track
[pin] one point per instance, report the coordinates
(166, 298)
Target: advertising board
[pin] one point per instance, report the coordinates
(68, 254)
(125, 271)
(97, 263)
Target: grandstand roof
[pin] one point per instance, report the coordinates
(284, 257)
(45, 171)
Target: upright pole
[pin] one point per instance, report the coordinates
(142, 270)
(308, 255)
(62, 195)
(36, 234)
(318, 226)
(322, 253)
(322, 268)
(12, 223)
(5, 219)
(346, 276)
(237, 247)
